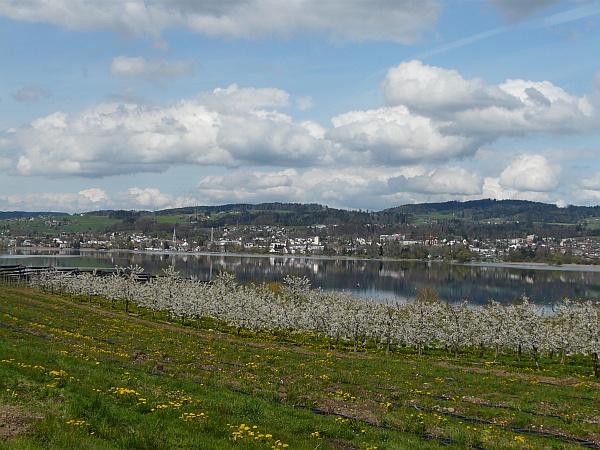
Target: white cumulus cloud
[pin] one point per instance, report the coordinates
(592, 182)
(228, 127)
(447, 180)
(49, 201)
(486, 112)
(148, 198)
(438, 91)
(95, 194)
(242, 186)
(394, 135)
(393, 153)
(531, 173)
(344, 187)
(235, 99)
(237, 127)
(94, 199)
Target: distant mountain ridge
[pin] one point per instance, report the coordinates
(240, 207)
(506, 209)
(475, 219)
(302, 214)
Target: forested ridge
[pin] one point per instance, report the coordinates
(477, 219)
(287, 214)
(473, 219)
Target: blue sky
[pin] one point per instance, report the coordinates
(152, 104)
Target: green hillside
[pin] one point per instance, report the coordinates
(75, 375)
(480, 218)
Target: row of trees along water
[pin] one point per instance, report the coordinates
(571, 327)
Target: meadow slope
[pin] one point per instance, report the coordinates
(75, 375)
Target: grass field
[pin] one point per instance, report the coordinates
(74, 375)
(68, 224)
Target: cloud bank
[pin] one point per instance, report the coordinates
(414, 147)
(390, 20)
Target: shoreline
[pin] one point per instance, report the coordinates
(539, 266)
(47, 251)
(376, 278)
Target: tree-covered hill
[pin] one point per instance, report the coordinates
(502, 209)
(472, 219)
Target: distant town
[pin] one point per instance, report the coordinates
(521, 232)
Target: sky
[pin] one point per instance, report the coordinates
(353, 104)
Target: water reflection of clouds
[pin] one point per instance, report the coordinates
(378, 279)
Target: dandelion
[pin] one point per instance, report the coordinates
(58, 374)
(244, 431)
(188, 417)
(77, 423)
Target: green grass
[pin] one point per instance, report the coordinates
(81, 376)
(69, 224)
(86, 222)
(179, 218)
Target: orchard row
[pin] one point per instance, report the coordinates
(571, 327)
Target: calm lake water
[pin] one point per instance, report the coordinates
(364, 278)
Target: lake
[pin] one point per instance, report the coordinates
(380, 279)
